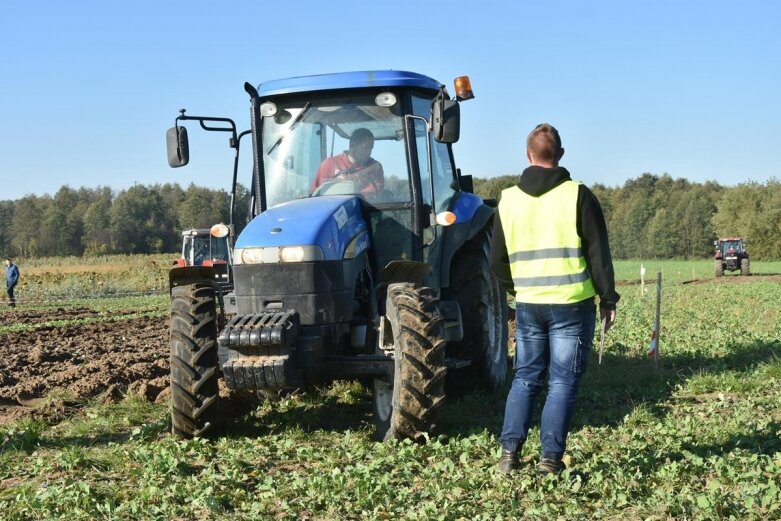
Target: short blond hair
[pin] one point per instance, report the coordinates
(544, 143)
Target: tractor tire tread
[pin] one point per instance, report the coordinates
(421, 345)
(194, 365)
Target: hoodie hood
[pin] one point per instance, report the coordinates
(537, 180)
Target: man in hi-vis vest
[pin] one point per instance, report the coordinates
(550, 248)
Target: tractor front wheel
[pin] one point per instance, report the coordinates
(745, 268)
(719, 268)
(408, 406)
(194, 392)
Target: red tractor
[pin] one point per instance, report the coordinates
(208, 247)
(731, 255)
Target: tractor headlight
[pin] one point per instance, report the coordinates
(248, 256)
(291, 254)
(274, 255)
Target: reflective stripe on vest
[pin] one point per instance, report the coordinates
(545, 252)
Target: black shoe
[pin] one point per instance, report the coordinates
(550, 467)
(509, 461)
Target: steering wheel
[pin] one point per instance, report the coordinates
(336, 186)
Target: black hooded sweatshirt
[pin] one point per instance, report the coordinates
(537, 180)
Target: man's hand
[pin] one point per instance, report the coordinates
(608, 316)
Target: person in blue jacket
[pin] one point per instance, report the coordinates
(11, 278)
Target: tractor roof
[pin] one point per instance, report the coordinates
(731, 239)
(348, 80)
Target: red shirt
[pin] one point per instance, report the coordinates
(367, 177)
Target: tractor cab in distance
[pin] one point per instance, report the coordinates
(731, 255)
(365, 255)
(208, 247)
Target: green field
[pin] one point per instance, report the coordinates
(697, 438)
(683, 270)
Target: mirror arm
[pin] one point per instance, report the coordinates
(233, 142)
(203, 119)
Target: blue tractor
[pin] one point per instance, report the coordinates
(365, 256)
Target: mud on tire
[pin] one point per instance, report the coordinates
(718, 268)
(484, 310)
(409, 406)
(194, 390)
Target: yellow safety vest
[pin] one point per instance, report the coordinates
(547, 262)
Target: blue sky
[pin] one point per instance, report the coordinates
(87, 89)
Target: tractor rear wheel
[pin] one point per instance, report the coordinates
(483, 305)
(194, 392)
(409, 406)
(745, 268)
(719, 268)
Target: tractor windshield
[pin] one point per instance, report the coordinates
(219, 249)
(200, 250)
(334, 144)
(736, 246)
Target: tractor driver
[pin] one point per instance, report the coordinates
(354, 164)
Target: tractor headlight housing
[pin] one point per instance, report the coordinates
(275, 254)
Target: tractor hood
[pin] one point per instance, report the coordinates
(330, 222)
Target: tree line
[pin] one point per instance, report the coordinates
(658, 217)
(648, 217)
(96, 221)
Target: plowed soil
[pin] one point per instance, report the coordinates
(103, 360)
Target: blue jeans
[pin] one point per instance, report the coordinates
(553, 340)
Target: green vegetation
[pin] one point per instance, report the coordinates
(696, 439)
(681, 270)
(96, 221)
(60, 281)
(658, 217)
(79, 321)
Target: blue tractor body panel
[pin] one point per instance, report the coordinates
(330, 222)
(348, 80)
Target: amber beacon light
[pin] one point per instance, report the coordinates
(463, 88)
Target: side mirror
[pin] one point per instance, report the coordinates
(445, 119)
(178, 147)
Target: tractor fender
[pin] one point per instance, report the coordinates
(188, 274)
(473, 215)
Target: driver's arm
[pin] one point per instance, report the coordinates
(373, 178)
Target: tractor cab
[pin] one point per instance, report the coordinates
(729, 247)
(336, 135)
